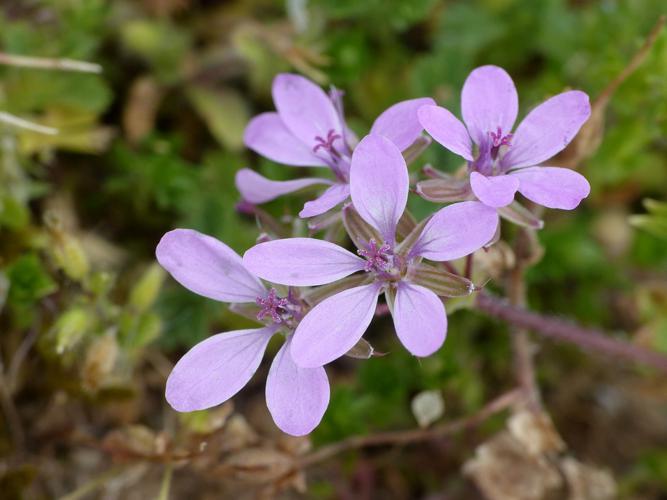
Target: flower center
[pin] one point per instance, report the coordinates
(498, 140)
(381, 260)
(286, 311)
(328, 144)
(490, 153)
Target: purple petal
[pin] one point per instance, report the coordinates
(301, 261)
(419, 319)
(379, 184)
(297, 397)
(334, 195)
(488, 101)
(399, 123)
(207, 267)
(456, 231)
(305, 109)
(496, 191)
(334, 326)
(446, 129)
(553, 187)
(214, 370)
(267, 135)
(256, 188)
(548, 129)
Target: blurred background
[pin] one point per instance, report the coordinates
(90, 326)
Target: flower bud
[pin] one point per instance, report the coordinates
(145, 292)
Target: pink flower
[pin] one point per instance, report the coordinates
(309, 130)
(379, 191)
(217, 368)
(506, 161)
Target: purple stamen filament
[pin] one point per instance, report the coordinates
(378, 258)
(327, 144)
(498, 140)
(272, 306)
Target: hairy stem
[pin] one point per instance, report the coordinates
(523, 348)
(587, 338)
(413, 435)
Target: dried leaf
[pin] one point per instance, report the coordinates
(100, 360)
(536, 432)
(141, 108)
(257, 465)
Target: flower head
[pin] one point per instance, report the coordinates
(379, 190)
(506, 161)
(217, 368)
(309, 129)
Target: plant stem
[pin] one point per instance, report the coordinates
(523, 348)
(559, 329)
(413, 435)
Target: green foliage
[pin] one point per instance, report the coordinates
(88, 284)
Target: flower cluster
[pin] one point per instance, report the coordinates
(321, 296)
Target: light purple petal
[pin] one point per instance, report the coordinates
(456, 231)
(488, 101)
(379, 184)
(334, 326)
(446, 129)
(333, 195)
(419, 319)
(256, 188)
(548, 129)
(553, 187)
(495, 191)
(207, 267)
(301, 261)
(267, 135)
(305, 109)
(296, 397)
(399, 123)
(214, 370)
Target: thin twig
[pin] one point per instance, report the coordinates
(19, 357)
(634, 63)
(559, 329)
(413, 435)
(11, 414)
(48, 63)
(15, 121)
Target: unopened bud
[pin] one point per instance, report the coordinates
(145, 292)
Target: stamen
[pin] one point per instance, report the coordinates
(273, 306)
(378, 258)
(327, 144)
(498, 139)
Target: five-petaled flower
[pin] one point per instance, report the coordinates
(379, 189)
(506, 161)
(220, 366)
(309, 129)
